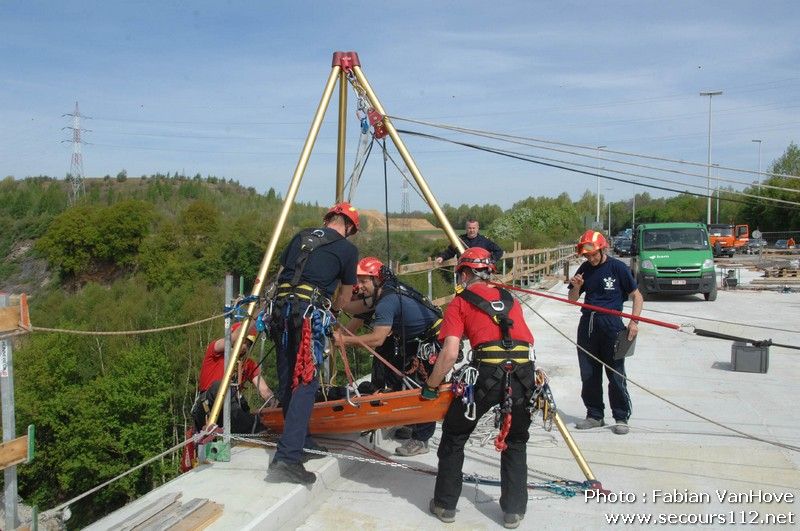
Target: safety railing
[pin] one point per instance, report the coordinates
(523, 267)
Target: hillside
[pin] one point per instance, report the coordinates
(377, 222)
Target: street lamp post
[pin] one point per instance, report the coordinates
(717, 179)
(759, 163)
(597, 216)
(708, 166)
(609, 214)
(633, 216)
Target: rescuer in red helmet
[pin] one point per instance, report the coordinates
(404, 329)
(501, 341)
(315, 263)
(608, 283)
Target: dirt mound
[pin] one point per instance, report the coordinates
(377, 221)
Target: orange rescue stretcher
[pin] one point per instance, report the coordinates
(368, 412)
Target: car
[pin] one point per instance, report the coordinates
(622, 246)
(755, 245)
(781, 244)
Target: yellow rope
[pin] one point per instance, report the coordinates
(124, 332)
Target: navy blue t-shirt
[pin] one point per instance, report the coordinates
(478, 241)
(326, 266)
(608, 285)
(409, 322)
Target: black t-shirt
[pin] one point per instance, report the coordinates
(327, 265)
(478, 241)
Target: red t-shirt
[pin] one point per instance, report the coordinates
(463, 319)
(213, 368)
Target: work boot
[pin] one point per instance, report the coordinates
(412, 447)
(285, 472)
(447, 516)
(402, 433)
(621, 428)
(512, 520)
(589, 423)
(307, 456)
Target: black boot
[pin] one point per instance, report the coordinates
(285, 472)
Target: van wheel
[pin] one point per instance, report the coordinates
(711, 296)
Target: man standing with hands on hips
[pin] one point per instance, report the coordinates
(608, 283)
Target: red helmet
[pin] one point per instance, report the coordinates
(476, 258)
(590, 242)
(252, 334)
(369, 266)
(346, 210)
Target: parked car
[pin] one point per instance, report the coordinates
(781, 244)
(622, 246)
(755, 245)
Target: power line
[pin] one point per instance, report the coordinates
(501, 136)
(539, 160)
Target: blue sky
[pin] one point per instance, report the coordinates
(229, 88)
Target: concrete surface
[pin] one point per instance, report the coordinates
(669, 453)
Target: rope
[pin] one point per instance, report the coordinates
(126, 332)
(51, 512)
(589, 306)
(412, 384)
(304, 364)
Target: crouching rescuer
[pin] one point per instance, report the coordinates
(404, 329)
(500, 372)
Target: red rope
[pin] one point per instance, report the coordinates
(589, 306)
(349, 374)
(500, 442)
(304, 364)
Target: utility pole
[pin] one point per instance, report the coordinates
(76, 163)
(633, 216)
(597, 216)
(717, 179)
(708, 165)
(759, 163)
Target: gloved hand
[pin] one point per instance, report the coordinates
(429, 393)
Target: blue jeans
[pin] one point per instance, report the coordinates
(596, 333)
(297, 404)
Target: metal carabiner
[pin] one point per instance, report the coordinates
(470, 376)
(347, 397)
(471, 411)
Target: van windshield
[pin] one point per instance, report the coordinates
(689, 238)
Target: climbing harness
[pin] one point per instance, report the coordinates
(497, 310)
(311, 240)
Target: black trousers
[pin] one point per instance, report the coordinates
(456, 430)
(242, 421)
(597, 333)
(383, 377)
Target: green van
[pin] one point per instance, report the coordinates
(673, 258)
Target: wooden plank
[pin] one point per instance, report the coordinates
(142, 516)
(9, 318)
(197, 515)
(13, 452)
